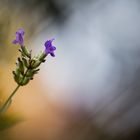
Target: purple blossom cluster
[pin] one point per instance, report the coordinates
(49, 48)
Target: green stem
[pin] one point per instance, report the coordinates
(9, 98)
(4, 107)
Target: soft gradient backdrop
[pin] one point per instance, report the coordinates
(90, 90)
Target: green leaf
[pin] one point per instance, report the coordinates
(9, 120)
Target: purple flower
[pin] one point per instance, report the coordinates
(19, 37)
(49, 48)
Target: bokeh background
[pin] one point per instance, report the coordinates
(90, 90)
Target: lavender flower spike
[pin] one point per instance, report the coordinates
(19, 37)
(49, 48)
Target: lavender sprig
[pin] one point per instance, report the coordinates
(26, 65)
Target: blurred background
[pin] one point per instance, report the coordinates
(90, 90)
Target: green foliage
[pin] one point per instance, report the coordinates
(8, 120)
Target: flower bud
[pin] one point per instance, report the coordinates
(35, 71)
(30, 73)
(42, 57)
(33, 61)
(21, 66)
(25, 63)
(36, 64)
(25, 81)
(25, 52)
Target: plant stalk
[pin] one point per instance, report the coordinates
(8, 100)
